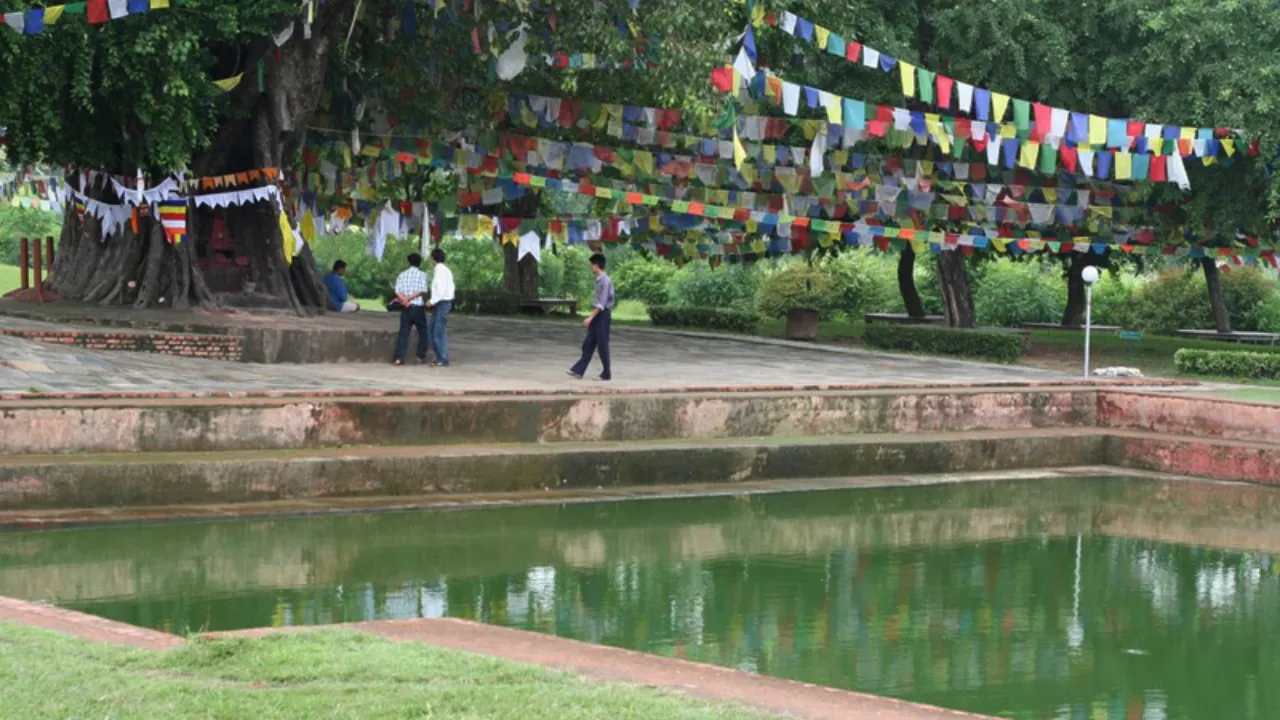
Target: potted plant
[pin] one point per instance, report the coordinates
(800, 292)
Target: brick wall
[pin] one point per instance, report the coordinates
(214, 347)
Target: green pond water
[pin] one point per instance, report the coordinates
(1067, 599)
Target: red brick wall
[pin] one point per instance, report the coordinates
(214, 347)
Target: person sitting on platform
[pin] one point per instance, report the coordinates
(336, 288)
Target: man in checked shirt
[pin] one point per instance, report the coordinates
(411, 289)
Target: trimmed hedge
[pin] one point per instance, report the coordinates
(709, 318)
(1228, 363)
(987, 345)
(486, 302)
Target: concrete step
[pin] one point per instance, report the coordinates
(224, 424)
(163, 478)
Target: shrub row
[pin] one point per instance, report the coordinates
(996, 346)
(701, 317)
(1228, 363)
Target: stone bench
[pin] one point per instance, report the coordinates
(1253, 338)
(545, 306)
(904, 319)
(1058, 326)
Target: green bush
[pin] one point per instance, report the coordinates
(1267, 315)
(996, 346)
(703, 317)
(644, 279)
(1179, 299)
(366, 277)
(1244, 292)
(865, 282)
(727, 288)
(476, 264)
(21, 222)
(1008, 294)
(798, 285)
(566, 273)
(1228, 363)
(486, 302)
(1112, 297)
(1173, 300)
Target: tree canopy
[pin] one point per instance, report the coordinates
(138, 93)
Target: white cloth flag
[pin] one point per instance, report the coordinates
(512, 61)
(788, 23)
(743, 65)
(790, 98)
(1178, 172)
(1059, 122)
(965, 91)
(529, 244)
(993, 152)
(817, 153)
(1086, 162)
(118, 8)
(16, 20)
(870, 57)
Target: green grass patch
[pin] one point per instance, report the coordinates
(10, 278)
(324, 674)
(1266, 397)
(1153, 354)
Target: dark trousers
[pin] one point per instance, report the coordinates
(597, 339)
(414, 316)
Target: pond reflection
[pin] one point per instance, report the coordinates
(1036, 599)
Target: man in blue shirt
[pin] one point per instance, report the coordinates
(336, 288)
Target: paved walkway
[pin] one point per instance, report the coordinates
(496, 355)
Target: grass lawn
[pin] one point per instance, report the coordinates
(10, 278)
(330, 674)
(1153, 354)
(1268, 397)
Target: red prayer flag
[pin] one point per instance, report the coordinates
(97, 11)
(1044, 121)
(722, 79)
(1157, 173)
(852, 50)
(945, 85)
(1068, 156)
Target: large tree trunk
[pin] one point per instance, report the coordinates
(520, 276)
(1221, 318)
(957, 297)
(141, 269)
(1073, 316)
(907, 284)
(264, 129)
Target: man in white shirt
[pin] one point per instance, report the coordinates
(441, 303)
(411, 291)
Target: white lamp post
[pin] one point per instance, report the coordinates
(1090, 276)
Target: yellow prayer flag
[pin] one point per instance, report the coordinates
(1030, 154)
(909, 78)
(918, 246)
(999, 106)
(229, 84)
(1188, 133)
(53, 14)
(1097, 131)
(820, 35)
(739, 152)
(832, 104)
(1229, 147)
(1124, 166)
(1008, 130)
(159, 4)
(308, 228)
(286, 238)
(644, 161)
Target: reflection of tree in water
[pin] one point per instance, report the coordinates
(931, 594)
